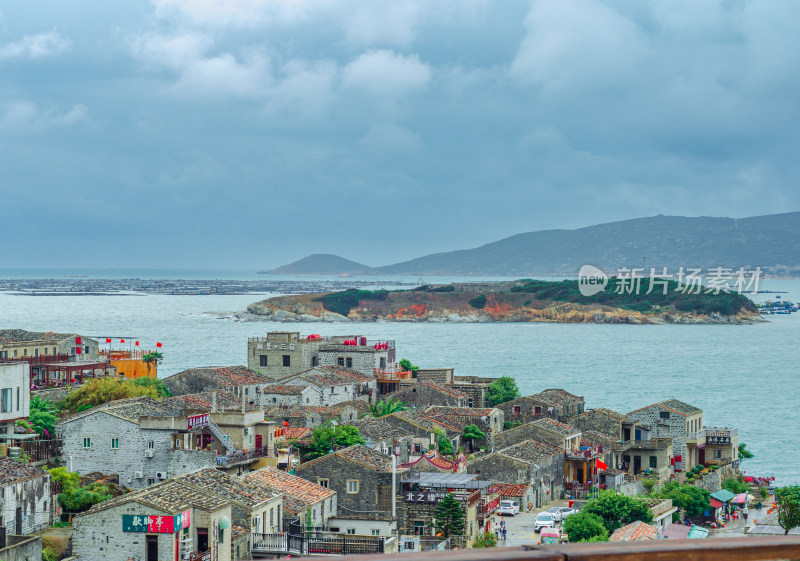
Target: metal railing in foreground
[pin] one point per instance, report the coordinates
(711, 549)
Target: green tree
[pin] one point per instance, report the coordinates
(487, 539)
(406, 366)
(788, 500)
(618, 510)
(501, 390)
(693, 501)
(42, 416)
(744, 453)
(445, 446)
(479, 302)
(161, 388)
(449, 517)
(151, 358)
(471, 434)
(735, 486)
(383, 408)
(325, 438)
(102, 390)
(584, 527)
(74, 497)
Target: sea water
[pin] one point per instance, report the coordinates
(744, 376)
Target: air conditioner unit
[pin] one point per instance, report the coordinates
(247, 431)
(161, 475)
(14, 451)
(149, 453)
(138, 474)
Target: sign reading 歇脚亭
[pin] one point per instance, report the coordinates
(198, 421)
(156, 523)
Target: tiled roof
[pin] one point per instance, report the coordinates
(15, 471)
(246, 491)
(470, 412)
(556, 426)
(22, 336)
(509, 489)
(331, 376)
(605, 413)
(442, 388)
(560, 396)
(227, 375)
(302, 411)
(205, 400)
(238, 531)
(284, 390)
(293, 433)
(531, 451)
(634, 532)
(680, 406)
(377, 429)
(131, 409)
(422, 421)
(436, 461)
(299, 492)
(596, 437)
(360, 454)
(171, 496)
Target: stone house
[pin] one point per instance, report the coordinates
(311, 503)
(677, 420)
(569, 404)
(335, 385)
(254, 506)
(423, 431)
(722, 446)
(635, 532)
(422, 395)
(38, 348)
(488, 420)
(312, 416)
(15, 394)
(433, 462)
(531, 462)
(522, 493)
(25, 498)
(154, 524)
(606, 421)
(361, 477)
(384, 437)
(554, 403)
(476, 388)
(146, 440)
(283, 395)
(284, 353)
(237, 380)
(442, 376)
(363, 525)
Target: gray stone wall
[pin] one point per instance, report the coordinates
(338, 471)
(546, 480)
(476, 393)
(33, 497)
(364, 359)
(674, 427)
(420, 396)
(310, 396)
(22, 548)
(436, 375)
(599, 422)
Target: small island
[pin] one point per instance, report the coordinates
(524, 300)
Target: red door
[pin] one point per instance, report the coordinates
(259, 440)
(701, 456)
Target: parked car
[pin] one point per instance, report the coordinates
(567, 511)
(510, 508)
(543, 520)
(555, 512)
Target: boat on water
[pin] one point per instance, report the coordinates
(783, 307)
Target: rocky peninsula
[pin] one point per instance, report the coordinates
(517, 301)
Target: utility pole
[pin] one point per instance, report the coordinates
(394, 480)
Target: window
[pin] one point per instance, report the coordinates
(717, 454)
(274, 400)
(653, 462)
(87, 442)
(419, 528)
(418, 448)
(470, 402)
(287, 361)
(18, 405)
(340, 361)
(35, 352)
(315, 361)
(25, 352)
(323, 482)
(351, 531)
(664, 414)
(383, 362)
(114, 443)
(352, 486)
(262, 360)
(271, 519)
(333, 529)
(516, 409)
(537, 410)
(55, 351)
(376, 532)
(86, 349)
(151, 444)
(177, 443)
(150, 481)
(349, 362)
(6, 397)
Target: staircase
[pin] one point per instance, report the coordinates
(223, 438)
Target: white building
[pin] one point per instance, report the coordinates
(15, 394)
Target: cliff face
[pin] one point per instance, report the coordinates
(455, 308)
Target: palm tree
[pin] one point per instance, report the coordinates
(383, 408)
(150, 358)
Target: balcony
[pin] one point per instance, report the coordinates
(585, 453)
(698, 437)
(729, 432)
(241, 457)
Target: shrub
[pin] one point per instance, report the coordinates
(584, 527)
(55, 546)
(764, 493)
(479, 302)
(735, 486)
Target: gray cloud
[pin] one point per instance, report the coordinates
(251, 133)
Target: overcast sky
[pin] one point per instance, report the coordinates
(250, 133)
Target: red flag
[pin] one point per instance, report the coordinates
(108, 340)
(286, 423)
(136, 343)
(158, 345)
(122, 340)
(601, 465)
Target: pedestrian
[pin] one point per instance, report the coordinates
(504, 533)
(744, 513)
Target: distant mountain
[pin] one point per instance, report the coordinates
(321, 264)
(771, 242)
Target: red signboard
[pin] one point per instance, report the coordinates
(198, 421)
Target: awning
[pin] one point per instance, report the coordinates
(715, 503)
(723, 495)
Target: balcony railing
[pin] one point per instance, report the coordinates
(200, 556)
(722, 431)
(239, 457)
(585, 453)
(697, 436)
